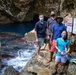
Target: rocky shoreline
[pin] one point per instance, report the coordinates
(11, 43)
(36, 66)
(40, 67)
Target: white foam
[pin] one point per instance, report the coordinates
(21, 60)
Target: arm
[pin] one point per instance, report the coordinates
(47, 32)
(47, 24)
(68, 47)
(57, 47)
(47, 29)
(36, 28)
(36, 34)
(52, 32)
(68, 50)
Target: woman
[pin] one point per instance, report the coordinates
(62, 46)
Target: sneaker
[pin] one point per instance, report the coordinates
(54, 73)
(61, 73)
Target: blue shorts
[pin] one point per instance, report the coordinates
(61, 59)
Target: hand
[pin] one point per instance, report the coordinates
(48, 37)
(62, 53)
(37, 40)
(67, 52)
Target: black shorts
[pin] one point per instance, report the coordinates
(46, 41)
(67, 63)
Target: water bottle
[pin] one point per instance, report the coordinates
(66, 51)
(65, 48)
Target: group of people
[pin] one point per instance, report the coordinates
(55, 32)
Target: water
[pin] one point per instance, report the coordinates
(21, 50)
(21, 58)
(20, 28)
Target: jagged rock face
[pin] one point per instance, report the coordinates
(13, 10)
(25, 10)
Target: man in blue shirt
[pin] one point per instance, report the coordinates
(40, 32)
(57, 29)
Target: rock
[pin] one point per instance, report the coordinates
(30, 34)
(71, 69)
(39, 66)
(10, 71)
(25, 10)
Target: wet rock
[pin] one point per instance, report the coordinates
(71, 69)
(10, 71)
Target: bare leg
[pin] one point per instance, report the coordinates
(43, 47)
(63, 67)
(56, 66)
(49, 45)
(51, 55)
(39, 50)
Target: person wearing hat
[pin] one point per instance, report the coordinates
(57, 29)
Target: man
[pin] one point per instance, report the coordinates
(40, 33)
(57, 29)
(50, 23)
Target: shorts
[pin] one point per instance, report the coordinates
(67, 62)
(41, 42)
(61, 59)
(46, 41)
(53, 48)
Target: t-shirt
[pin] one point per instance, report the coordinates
(57, 30)
(61, 45)
(41, 29)
(50, 23)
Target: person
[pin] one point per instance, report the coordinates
(63, 48)
(40, 32)
(57, 29)
(50, 22)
